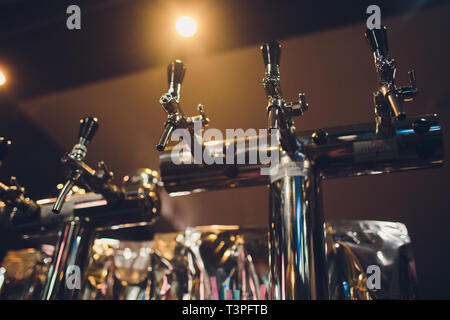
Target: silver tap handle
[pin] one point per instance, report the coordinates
(378, 41)
(271, 53)
(175, 74)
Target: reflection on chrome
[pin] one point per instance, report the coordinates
(221, 262)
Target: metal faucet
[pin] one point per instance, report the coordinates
(19, 206)
(389, 98)
(297, 255)
(170, 102)
(280, 113)
(98, 180)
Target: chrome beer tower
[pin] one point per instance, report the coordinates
(392, 143)
(83, 216)
(107, 206)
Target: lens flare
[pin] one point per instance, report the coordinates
(2, 79)
(186, 26)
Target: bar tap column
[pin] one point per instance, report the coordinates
(296, 236)
(70, 260)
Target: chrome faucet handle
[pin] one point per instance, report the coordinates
(170, 102)
(378, 41)
(88, 129)
(201, 116)
(271, 53)
(278, 110)
(298, 108)
(175, 75)
(389, 99)
(408, 93)
(279, 113)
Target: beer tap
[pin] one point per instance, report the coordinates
(280, 114)
(98, 181)
(170, 102)
(389, 98)
(21, 207)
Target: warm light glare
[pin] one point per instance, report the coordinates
(2, 79)
(186, 26)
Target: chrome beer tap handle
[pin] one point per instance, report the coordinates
(170, 102)
(98, 181)
(88, 128)
(280, 113)
(389, 98)
(14, 197)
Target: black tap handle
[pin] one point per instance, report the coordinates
(88, 128)
(175, 76)
(271, 52)
(5, 145)
(377, 39)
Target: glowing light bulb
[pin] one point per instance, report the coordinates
(2, 79)
(186, 26)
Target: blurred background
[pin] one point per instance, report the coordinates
(114, 68)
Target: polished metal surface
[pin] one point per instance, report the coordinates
(202, 263)
(389, 99)
(71, 251)
(279, 113)
(88, 128)
(23, 273)
(392, 143)
(141, 205)
(170, 102)
(192, 264)
(224, 262)
(344, 151)
(296, 234)
(82, 217)
(355, 245)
